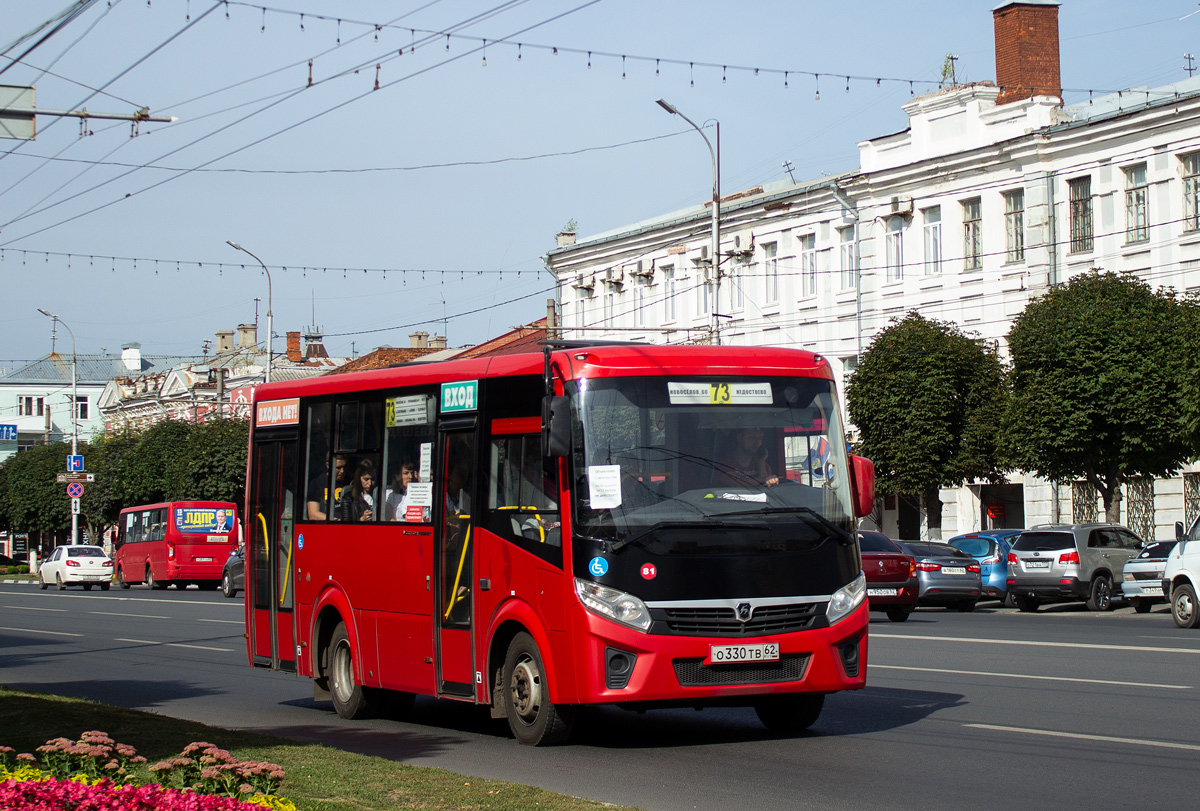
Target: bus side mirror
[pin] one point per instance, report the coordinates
(556, 426)
(862, 485)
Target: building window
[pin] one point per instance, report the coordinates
(1191, 192)
(609, 300)
(1014, 226)
(808, 265)
(583, 303)
(31, 406)
(848, 258)
(668, 286)
(639, 300)
(1080, 195)
(771, 273)
(703, 293)
(893, 248)
(933, 240)
(1137, 204)
(737, 292)
(81, 408)
(972, 233)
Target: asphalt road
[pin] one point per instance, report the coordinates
(994, 709)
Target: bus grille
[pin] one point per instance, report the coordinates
(692, 673)
(767, 620)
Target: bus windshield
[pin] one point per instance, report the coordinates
(711, 465)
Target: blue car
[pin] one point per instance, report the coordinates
(990, 547)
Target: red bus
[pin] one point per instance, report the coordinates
(175, 543)
(536, 532)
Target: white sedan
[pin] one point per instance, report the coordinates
(85, 565)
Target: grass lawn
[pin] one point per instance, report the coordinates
(318, 778)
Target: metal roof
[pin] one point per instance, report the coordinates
(89, 369)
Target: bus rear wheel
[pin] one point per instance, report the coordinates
(151, 582)
(532, 717)
(350, 699)
(789, 713)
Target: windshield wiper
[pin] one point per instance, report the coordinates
(844, 537)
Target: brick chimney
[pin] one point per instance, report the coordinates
(294, 355)
(1027, 50)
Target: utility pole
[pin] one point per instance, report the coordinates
(1190, 67)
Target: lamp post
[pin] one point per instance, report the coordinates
(74, 411)
(716, 211)
(238, 247)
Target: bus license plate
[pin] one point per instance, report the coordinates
(204, 560)
(735, 654)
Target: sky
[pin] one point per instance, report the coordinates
(428, 203)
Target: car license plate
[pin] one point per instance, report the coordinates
(1152, 590)
(881, 592)
(953, 570)
(735, 654)
(1037, 564)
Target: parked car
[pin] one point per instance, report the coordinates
(1141, 581)
(233, 573)
(990, 547)
(83, 565)
(5, 560)
(947, 576)
(1181, 577)
(1070, 562)
(891, 575)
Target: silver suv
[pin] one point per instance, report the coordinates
(1069, 561)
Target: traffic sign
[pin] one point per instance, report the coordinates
(74, 506)
(65, 478)
(75, 490)
(74, 464)
(8, 433)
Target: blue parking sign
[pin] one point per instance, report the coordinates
(74, 464)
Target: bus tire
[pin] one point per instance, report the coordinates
(350, 699)
(533, 719)
(789, 713)
(151, 582)
(208, 585)
(122, 583)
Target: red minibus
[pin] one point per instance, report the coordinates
(176, 542)
(594, 524)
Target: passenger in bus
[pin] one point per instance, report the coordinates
(358, 500)
(746, 463)
(397, 495)
(318, 489)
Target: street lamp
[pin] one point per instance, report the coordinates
(716, 211)
(74, 407)
(238, 247)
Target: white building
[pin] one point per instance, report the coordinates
(994, 192)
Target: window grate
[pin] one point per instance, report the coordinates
(1083, 502)
(1139, 507)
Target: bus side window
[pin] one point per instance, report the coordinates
(317, 474)
(522, 495)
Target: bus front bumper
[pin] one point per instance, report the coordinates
(619, 664)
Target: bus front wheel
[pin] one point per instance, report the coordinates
(533, 719)
(121, 581)
(350, 699)
(789, 713)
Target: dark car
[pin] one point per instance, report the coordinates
(990, 547)
(891, 575)
(233, 574)
(948, 576)
(5, 560)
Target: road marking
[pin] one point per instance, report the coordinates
(31, 631)
(1033, 644)
(160, 600)
(1035, 678)
(226, 622)
(135, 616)
(1079, 736)
(175, 645)
(31, 608)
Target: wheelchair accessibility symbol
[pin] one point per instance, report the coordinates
(598, 567)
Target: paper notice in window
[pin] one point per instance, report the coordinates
(604, 486)
(426, 463)
(419, 494)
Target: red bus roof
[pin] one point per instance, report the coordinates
(612, 360)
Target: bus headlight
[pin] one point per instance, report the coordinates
(846, 599)
(614, 605)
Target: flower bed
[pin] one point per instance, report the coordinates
(94, 774)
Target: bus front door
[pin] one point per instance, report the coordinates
(270, 552)
(455, 565)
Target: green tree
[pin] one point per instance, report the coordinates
(104, 498)
(927, 400)
(212, 465)
(150, 471)
(1096, 370)
(36, 501)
